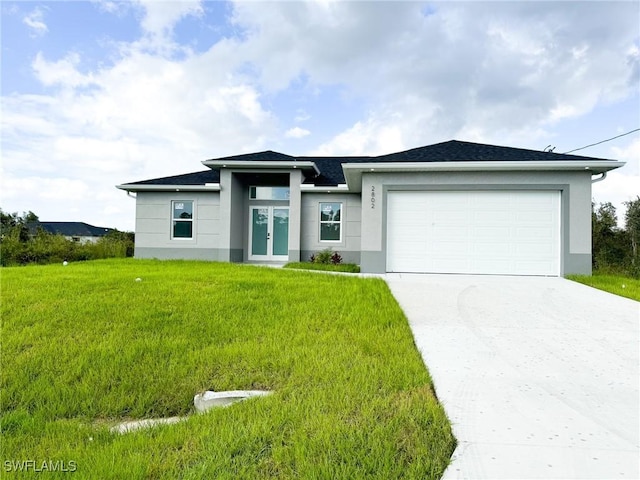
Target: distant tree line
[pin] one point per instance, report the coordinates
(21, 245)
(615, 249)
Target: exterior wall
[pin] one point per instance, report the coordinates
(154, 225)
(349, 246)
(221, 219)
(575, 188)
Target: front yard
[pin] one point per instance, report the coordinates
(619, 285)
(87, 345)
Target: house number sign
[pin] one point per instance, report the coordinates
(373, 197)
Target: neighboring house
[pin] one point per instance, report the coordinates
(453, 207)
(77, 231)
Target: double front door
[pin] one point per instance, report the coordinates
(269, 233)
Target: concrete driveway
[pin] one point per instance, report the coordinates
(539, 376)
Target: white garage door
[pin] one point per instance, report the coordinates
(475, 232)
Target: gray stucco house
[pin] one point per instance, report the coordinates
(452, 207)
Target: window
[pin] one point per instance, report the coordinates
(182, 218)
(330, 222)
(269, 193)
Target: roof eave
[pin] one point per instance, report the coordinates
(132, 187)
(263, 165)
(353, 171)
(311, 188)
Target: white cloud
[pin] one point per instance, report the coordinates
(115, 7)
(508, 73)
(161, 15)
(35, 21)
(364, 138)
(296, 132)
(467, 67)
(63, 72)
(144, 116)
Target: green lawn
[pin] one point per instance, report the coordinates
(86, 346)
(327, 267)
(623, 286)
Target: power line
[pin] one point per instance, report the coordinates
(603, 141)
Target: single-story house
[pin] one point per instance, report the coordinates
(76, 231)
(452, 207)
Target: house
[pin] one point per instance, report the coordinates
(76, 231)
(452, 207)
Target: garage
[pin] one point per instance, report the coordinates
(500, 232)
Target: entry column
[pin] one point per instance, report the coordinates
(295, 206)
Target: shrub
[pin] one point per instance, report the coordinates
(45, 248)
(326, 257)
(328, 267)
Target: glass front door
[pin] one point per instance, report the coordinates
(269, 233)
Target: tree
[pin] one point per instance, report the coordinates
(13, 224)
(632, 225)
(610, 243)
(8, 220)
(20, 246)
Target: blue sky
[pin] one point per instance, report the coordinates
(100, 93)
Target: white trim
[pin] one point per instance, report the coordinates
(470, 166)
(192, 220)
(207, 187)
(305, 187)
(262, 164)
(288, 189)
(353, 171)
(320, 222)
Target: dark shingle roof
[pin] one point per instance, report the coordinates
(69, 229)
(266, 156)
(195, 178)
(331, 172)
(331, 168)
(457, 151)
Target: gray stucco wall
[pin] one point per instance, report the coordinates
(575, 188)
(295, 214)
(349, 246)
(221, 218)
(154, 225)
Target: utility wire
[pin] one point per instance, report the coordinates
(603, 141)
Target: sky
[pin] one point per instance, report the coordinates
(100, 93)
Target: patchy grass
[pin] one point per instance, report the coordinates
(619, 285)
(328, 267)
(86, 346)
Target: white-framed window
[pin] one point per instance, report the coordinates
(182, 219)
(269, 193)
(330, 222)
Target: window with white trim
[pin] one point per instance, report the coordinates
(269, 193)
(330, 222)
(182, 218)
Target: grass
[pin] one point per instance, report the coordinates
(86, 346)
(617, 284)
(328, 267)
